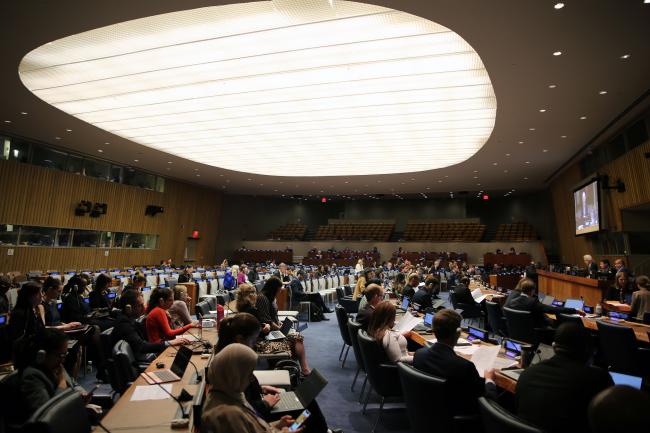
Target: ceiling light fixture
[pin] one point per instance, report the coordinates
(68, 130)
(552, 86)
(24, 113)
(248, 77)
(557, 53)
(7, 121)
(625, 56)
(583, 117)
(542, 110)
(602, 92)
(544, 150)
(558, 6)
(100, 151)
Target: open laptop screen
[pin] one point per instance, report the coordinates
(428, 319)
(626, 379)
(577, 304)
(181, 360)
(405, 304)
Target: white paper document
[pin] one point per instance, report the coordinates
(406, 323)
(466, 350)
(151, 392)
(478, 296)
(485, 357)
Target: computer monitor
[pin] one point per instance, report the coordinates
(476, 334)
(587, 309)
(626, 379)
(577, 304)
(512, 348)
(558, 303)
(428, 319)
(616, 315)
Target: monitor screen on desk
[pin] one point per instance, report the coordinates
(557, 303)
(476, 334)
(405, 304)
(626, 379)
(3, 319)
(512, 348)
(428, 319)
(576, 304)
(618, 316)
(586, 201)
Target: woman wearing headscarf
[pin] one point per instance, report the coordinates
(226, 409)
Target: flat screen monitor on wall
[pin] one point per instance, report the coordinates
(586, 201)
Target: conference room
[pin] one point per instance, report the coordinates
(325, 216)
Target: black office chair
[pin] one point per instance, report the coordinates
(568, 318)
(63, 413)
(468, 311)
(424, 393)
(353, 331)
(202, 310)
(342, 318)
(495, 319)
(620, 350)
(520, 325)
(349, 291)
(498, 420)
(646, 318)
(382, 374)
(340, 294)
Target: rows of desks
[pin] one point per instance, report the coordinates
(156, 415)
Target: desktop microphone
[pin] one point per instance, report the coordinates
(183, 414)
(200, 338)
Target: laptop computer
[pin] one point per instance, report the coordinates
(304, 394)
(626, 379)
(616, 315)
(426, 325)
(405, 304)
(548, 300)
(282, 333)
(577, 304)
(173, 374)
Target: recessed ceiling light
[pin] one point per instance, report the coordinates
(23, 113)
(475, 171)
(412, 178)
(521, 142)
(478, 184)
(107, 142)
(527, 162)
(100, 151)
(562, 136)
(136, 160)
(602, 92)
(544, 150)
(557, 53)
(505, 171)
(198, 175)
(439, 181)
(495, 163)
(168, 168)
(525, 178)
(583, 117)
(196, 169)
(552, 86)
(7, 121)
(177, 103)
(252, 179)
(558, 6)
(542, 110)
(57, 138)
(169, 162)
(475, 177)
(507, 154)
(275, 190)
(531, 129)
(625, 56)
(68, 130)
(346, 182)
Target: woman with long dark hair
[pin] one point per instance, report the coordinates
(158, 319)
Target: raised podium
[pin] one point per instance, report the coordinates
(563, 286)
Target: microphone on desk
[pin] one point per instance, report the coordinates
(177, 400)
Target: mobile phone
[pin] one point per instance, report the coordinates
(300, 420)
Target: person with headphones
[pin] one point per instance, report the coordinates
(40, 373)
(554, 394)
(132, 307)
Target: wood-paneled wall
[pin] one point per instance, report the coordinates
(31, 195)
(632, 168)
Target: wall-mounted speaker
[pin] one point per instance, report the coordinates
(152, 210)
(83, 207)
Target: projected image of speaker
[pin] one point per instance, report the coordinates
(152, 210)
(587, 208)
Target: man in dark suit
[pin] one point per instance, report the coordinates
(424, 296)
(526, 301)
(409, 290)
(298, 295)
(592, 267)
(554, 394)
(462, 292)
(465, 385)
(186, 276)
(374, 295)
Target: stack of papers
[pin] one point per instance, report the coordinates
(151, 392)
(486, 358)
(478, 296)
(406, 323)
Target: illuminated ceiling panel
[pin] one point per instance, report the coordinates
(290, 87)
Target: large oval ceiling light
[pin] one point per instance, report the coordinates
(290, 88)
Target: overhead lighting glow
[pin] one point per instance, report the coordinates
(288, 83)
(557, 53)
(558, 6)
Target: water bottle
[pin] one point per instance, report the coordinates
(599, 310)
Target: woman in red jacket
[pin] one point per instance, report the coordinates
(158, 319)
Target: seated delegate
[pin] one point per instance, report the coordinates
(380, 328)
(158, 321)
(226, 409)
(465, 385)
(641, 298)
(374, 294)
(555, 393)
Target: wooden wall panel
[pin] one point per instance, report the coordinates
(31, 195)
(632, 168)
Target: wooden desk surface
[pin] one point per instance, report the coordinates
(156, 415)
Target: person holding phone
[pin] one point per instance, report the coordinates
(226, 408)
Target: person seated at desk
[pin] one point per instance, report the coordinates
(462, 293)
(605, 270)
(226, 409)
(555, 393)
(619, 409)
(621, 289)
(619, 266)
(131, 307)
(244, 328)
(73, 308)
(40, 374)
(641, 298)
(361, 283)
(186, 276)
(5, 285)
(374, 294)
(380, 328)
(98, 297)
(590, 266)
(299, 295)
(409, 290)
(179, 310)
(424, 296)
(512, 251)
(283, 274)
(48, 309)
(260, 306)
(158, 322)
(465, 385)
(527, 301)
(25, 320)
